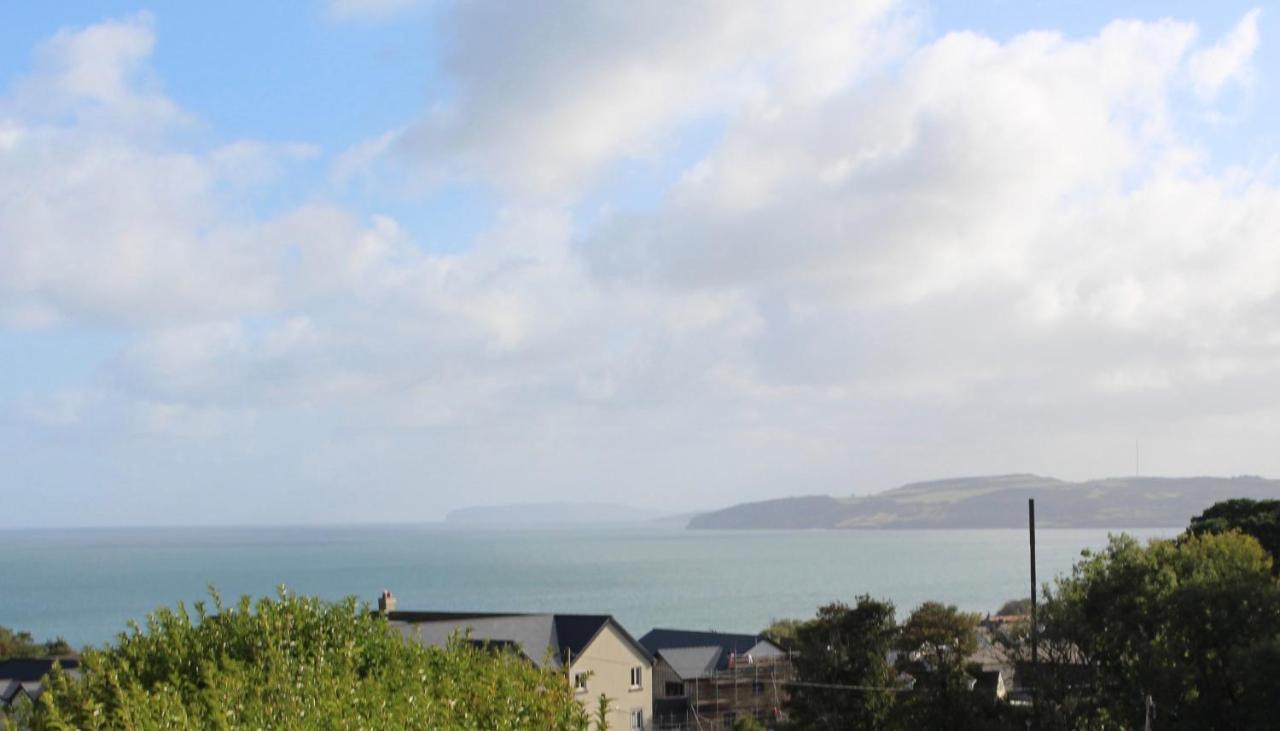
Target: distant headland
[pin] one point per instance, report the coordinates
(999, 502)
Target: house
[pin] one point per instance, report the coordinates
(593, 651)
(710, 679)
(990, 683)
(24, 676)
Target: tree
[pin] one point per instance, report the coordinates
(936, 642)
(1186, 623)
(1015, 607)
(848, 647)
(782, 632)
(747, 723)
(297, 663)
(22, 644)
(602, 712)
(1257, 518)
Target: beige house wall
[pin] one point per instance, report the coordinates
(609, 658)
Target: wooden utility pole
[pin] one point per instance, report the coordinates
(1035, 630)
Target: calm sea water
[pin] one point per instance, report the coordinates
(85, 584)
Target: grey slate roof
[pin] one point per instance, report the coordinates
(729, 644)
(533, 633)
(24, 676)
(692, 662)
(33, 669)
(556, 638)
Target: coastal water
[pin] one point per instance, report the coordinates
(85, 584)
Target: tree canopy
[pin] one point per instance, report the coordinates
(845, 646)
(1015, 607)
(22, 644)
(1185, 631)
(297, 663)
(1257, 518)
(936, 642)
(1184, 623)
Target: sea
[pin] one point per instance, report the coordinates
(86, 584)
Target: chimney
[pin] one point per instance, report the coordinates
(386, 602)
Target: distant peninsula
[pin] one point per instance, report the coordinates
(550, 514)
(999, 502)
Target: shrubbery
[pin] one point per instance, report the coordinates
(297, 663)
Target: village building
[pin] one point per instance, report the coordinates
(23, 677)
(708, 680)
(594, 652)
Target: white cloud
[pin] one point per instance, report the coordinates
(899, 260)
(1227, 61)
(549, 94)
(100, 75)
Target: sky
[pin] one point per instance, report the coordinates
(350, 261)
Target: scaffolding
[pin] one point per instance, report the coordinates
(748, 687)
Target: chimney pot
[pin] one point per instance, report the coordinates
(386, 602)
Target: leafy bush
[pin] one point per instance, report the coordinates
(297, 663)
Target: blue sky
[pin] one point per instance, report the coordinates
(373, 260)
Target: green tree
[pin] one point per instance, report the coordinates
(1257, 518)
(936, 642)
(747, 723)
(783, 631)
(847, 647)
(1185, 623)
(22, 644)
(1015, 607)
(297, 663)
(601, 716)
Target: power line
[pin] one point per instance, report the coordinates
(838, 686)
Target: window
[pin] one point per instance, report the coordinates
(637, 676)
(637, 719)
(758, 688)
(674, 690)
(580, 682)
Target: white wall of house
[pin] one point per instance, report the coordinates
(610, 659)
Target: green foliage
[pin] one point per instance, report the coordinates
(1015, 607)
(601, 716)
(22, 644)
(298, 663)
(1186, 622)
(747, 723)
(942, 635)
(783, 631)
(936, 642)
(1257, 518)
(845, 646)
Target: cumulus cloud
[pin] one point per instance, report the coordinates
(550, 94)
(1228, 60)
(897, 259)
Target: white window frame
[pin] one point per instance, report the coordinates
(580, 681)
(637, 719)
(637, 677)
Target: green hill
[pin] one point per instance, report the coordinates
(1000, 502)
